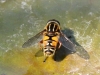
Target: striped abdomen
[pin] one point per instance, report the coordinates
(49, 45)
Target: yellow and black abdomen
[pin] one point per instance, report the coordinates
(49, 45)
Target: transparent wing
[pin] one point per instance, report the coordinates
(39, 53)
(33, 40)
(66, 42)
(82, 52)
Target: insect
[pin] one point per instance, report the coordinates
(51, 38)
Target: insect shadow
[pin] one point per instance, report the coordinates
(63, 52)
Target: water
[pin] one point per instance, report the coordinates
(20, 20)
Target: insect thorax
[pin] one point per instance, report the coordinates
(52, 27)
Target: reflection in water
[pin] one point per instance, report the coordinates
(79, 49)
(39, 53)
(61, 54)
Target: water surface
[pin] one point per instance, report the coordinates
(20, 20)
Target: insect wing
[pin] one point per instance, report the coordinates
(82, 52)
(39, 53)
(33, 40)
(66, 42)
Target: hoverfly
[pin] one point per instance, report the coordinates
(51, 39)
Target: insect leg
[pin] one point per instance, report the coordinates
(45, 58)
(40, 44)
(59, 45)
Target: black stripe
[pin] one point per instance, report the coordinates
(55, 28)
(50, 39)
(51, 27)
(47, 27)
(49, 51)
(49, 46)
